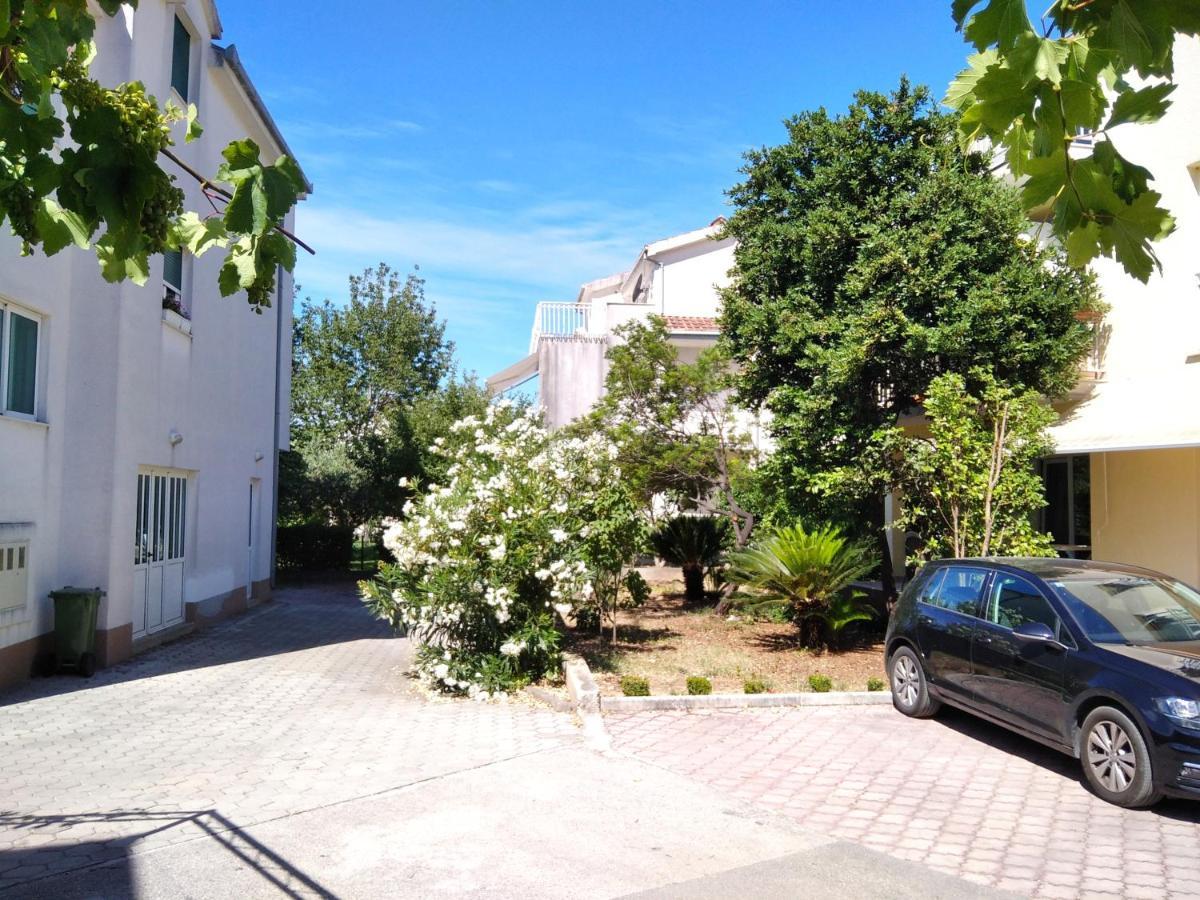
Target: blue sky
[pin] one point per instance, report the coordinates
(514, 150)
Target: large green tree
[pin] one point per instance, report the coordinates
(1030, 90)
(79, 159)
(373, 385)
(873, 255)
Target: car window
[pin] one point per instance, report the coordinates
(1119, 607)
(1014, 601)
(960, 590)
(929, 590)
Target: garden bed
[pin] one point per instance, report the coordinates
(667, 640)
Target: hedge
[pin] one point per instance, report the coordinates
(314, 547)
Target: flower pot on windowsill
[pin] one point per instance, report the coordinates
(177, 321)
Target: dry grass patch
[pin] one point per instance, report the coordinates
(666, 641)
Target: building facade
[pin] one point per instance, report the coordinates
(140, 426)
(1125, 485)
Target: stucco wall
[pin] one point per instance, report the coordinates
(116, 380)
(685, 282)
(1146, 510)
(570, 377)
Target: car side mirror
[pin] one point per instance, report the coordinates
(1038, 632)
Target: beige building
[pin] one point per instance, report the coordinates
(1125, 484)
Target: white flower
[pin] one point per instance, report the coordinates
(512, 648)
(498, 551)
(562, 609)
(558, 534)
(441, 670)
(542, 574)
(403, 482)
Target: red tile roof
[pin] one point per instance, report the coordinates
(691, 323)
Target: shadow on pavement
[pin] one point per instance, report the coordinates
(1059, 763)
(44, 871)
(298, 618)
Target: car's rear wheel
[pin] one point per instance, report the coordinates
(910, 693)
(1116, 760)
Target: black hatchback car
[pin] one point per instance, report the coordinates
(1098, 660)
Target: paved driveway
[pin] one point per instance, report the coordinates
(284, 753)
(957, 795)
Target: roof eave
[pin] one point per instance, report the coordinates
(229, 56)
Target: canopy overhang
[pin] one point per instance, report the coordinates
(516, 374)
(1157, 411)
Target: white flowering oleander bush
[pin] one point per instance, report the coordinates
(528, 523)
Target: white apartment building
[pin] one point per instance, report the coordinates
(677, 278)
(138, 444)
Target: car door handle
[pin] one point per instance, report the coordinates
(925, 620)
(983, 639)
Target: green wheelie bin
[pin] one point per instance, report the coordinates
(75, 612)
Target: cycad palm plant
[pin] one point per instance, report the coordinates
(805, 572)
(694, 543)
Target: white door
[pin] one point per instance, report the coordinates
(252, 537)
(160, 539)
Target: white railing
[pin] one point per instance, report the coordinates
(553, 319)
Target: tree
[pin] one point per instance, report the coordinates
(971, 486)
(373, 386)
(77, 159)
(1030, 92)
(674, 424)
(873, 255)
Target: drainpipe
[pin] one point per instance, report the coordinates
(275, 417)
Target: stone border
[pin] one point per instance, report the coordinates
(587, 700)
(742, 701)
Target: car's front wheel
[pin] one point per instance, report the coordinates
(1116, 760)
(910, 693)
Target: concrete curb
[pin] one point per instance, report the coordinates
(742, 701)
(585, 694)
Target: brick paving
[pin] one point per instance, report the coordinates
(958, 795)
(299, 704)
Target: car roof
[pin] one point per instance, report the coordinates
(1049, 566)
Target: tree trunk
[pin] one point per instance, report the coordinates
(693, 584)
(887, 578)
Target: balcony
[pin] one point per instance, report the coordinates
(555, 319)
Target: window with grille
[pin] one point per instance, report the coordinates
(160, 519)
(14, 575)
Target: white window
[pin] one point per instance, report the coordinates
(176, 269)
(14, 575)
(181, 60)
(20, 336)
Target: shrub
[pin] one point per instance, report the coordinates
(312, 547)
(754, 686)
(804, 572)
(697, 685)
(528, 521)
(635, 686)
(694, 543)
(821, 684)
(876, 684)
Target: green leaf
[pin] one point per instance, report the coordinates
(1126, 34)
(1038, 59)
(959, 10)
(1047, 175)
(1001, 22)
(117, 265)
(5, 16)
(961, 92)
(59, 227)
(1148, 104)
(1019, 141)
(240, 155)
(1083, 244)
(1000, 98)
(194, 129)
(197, 235)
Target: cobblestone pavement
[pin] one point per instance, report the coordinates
(956, 794)
(294, 706)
